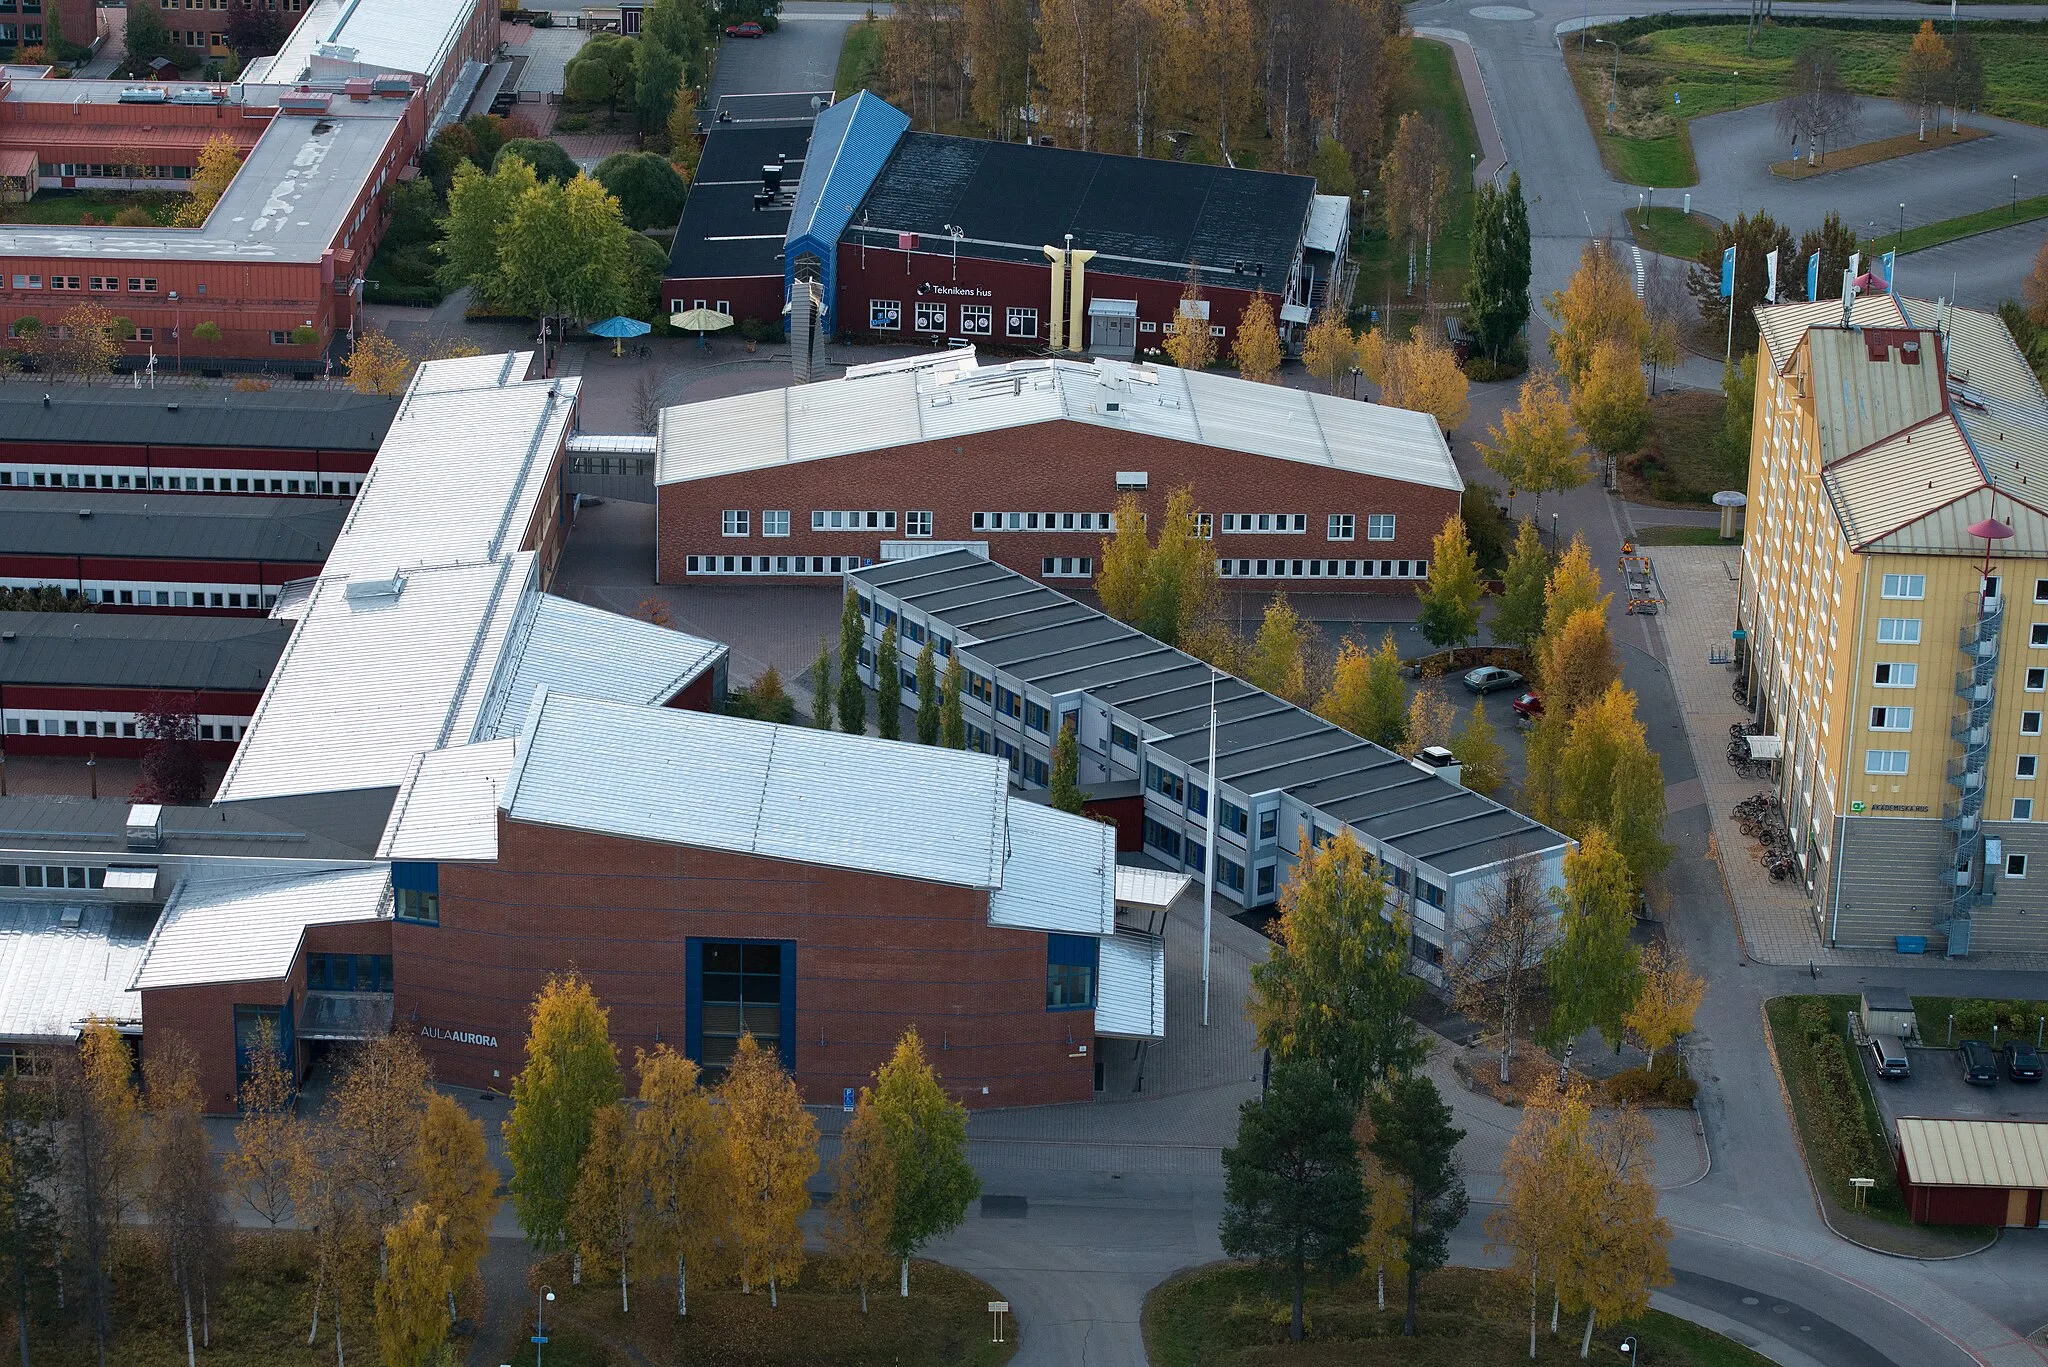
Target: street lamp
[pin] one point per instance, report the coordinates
(1632, 1350)
(2015, 195)
(1614, 81)
(177, 336)
(540, 1322)
(1900, 241)
(956, 232)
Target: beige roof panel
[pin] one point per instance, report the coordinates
(1783, 325)
(1975, 1153)
(1880, 490)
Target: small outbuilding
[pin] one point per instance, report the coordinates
(1973, 1172)
(1888, 1011)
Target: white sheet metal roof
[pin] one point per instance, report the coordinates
(53, 976)
(370, 680)
(1327, 215)
(462, 469)
(781, 792)
(840, 417)
(570, 648)
(448, 806)
(1975, 1153)
(413, 37)
(1130, 986)
(1156, 889)
(245, 925)
(1059, 875)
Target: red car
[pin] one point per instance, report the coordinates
(749, 29)
(1529, 706)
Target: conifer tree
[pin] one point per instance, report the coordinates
(853, 699)
(1066, 771)
(927, 695)
(1498, 292)
(821, 688)
(952, 719)
(1414, 1139)
(888, 686)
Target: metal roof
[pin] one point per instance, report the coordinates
(463, 468)
(287, 418)
(53, 976)
(839, 417)
(238, 527)
(1975, 1153)
(372, 37)
(114, 650)
(780, 792)
(1327, 216)
(1859, 401)
(849, 143)
(1264, 744)
(567, 647)
(1130, 987)
(245, 924)
(1059, 873)
(76, 825)
(1137, 886)
(447, 808)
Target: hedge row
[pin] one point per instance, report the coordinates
(1838, 1117)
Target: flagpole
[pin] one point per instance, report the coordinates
(1209, 850)
(1728, 357)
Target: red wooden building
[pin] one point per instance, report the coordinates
(1974, 1172)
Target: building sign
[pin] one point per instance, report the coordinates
(1856, 807)
(459, 1036)
(956, 291)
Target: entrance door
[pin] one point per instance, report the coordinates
(1113, 328)
(2016, 1208)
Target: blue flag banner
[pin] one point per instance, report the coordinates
(1728, 273)
(1813, 277)
(1884, 268)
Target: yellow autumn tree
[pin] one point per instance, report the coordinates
(1535, 449)
(1609, 402)
(1479, 751)
(458, 1182)
(1431, 717)
(1611, 1245)
(1542, 1170)
(1256, 352)
(1670, 997)
(1576, 663)
(1606, 775)
(376, 364)
(862, 1213)
(219, 160)
(1329, 349)
(605, 1204)
(1573, 585)
(269, 1135)
(410, 1325)
(1923, 73)
(1422, 374)
(684, 1166)
(774, 1154)
(1281, 659)
(1120, 569)
(1190, 345)
(1597, 304)
(1365, 695)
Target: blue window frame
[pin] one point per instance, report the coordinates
(348, 972)
(1162, 838)
(1269, 824)
(1070, 972)
(1196, 853)
(249, 1023)
(1036, 773)
(734, 987)
(1230, 873)
(1268, 880)
(1008, 703)
(1198, 800)
(1232, 817)
(1037, 716)
(1164, 783)
(416, 893)
(1122, 739)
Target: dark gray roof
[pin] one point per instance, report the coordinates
(289, 417)
(1144, 216)
(114, 650)
(722, 233)
(298, 531)
(1263, 743)
(88, 826)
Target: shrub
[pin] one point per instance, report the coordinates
(206, 332)
(304, 336)
(1839, 1123)
(1974, 1019)
(755, 330)
(571, 123)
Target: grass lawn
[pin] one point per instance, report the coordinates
(860, 57)
(1968, 225)
(1974, 1017)
(1231, 1315)
(1684, 536)
(1671, 232)
(1434, 88)
(1870, 153)
(1682, 463)
(1674, 72)
(944, 1323)
(69, 208)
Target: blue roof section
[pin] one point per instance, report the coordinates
(850, 143)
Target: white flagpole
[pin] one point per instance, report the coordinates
(1209, 850)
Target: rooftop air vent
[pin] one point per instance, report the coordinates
(85, 512)
(145, 826)
(360, 590)
(71, 918)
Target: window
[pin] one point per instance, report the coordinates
(348, 972)
(1198, 800)
(1205, 526)
(1891, 718)
(1037, 717)
(1196, 856)
(2037, 680)
(28, 282)
(105, 284)
(65, 282)
(977, 320)
(1067, 566)
(2028, 766)
(1035, 772)
(1008, 704)
(1232, 817)
(980, 689)
(775, 522)
(2015, 866)
(733, 522)
(2030, 723)
(1284, 523)
(142, 284)
(1884, 761)
(1122, 739)
(931, 317)
(2041, 590)
(416, 892)
(1163, 839)
(1343, 527)
(1905, 631)
(1020, 322)
(253, 1026)
(1269, 824)
(737, 988)
(1230, 873)
(917, 524)
(1042, 522)
(1379, 527)
(1896, 675)
(853, 521)
(1164, 783)
(279, 338)
(1070, 972)
(1905, 586)
(2023, 809)
(885, 315)
(1268, 878)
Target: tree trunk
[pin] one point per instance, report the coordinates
(205, 1316)
(1507, 1040)
(625, 1297)
(905, 1291)
(1414, 1294)
(340, 1358)
(682, 1289)
(451, 1307)
(773, 1303)
(1294, 1324)
(1382, 1279)
(863, 1295)
(319, 1283)
(1553, 1311)
(1586, 1343)
(576, 1268)
(191, 1352)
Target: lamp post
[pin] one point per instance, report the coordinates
(1900, 240)
(540, 1322)
(1614, 81)
(2015, 195)
(1631, 1349)
(956, 232)
(177, 335)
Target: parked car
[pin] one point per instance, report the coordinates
(1980, 1065)
(1889, 1057)
(1491, 679)
(1529, 706)
(749, 29)
(2022, 1061)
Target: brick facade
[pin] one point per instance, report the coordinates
(1057, 467)
(873, 955)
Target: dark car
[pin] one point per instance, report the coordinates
(749, 29)
(1529, 706)
(1980, 1065)
(2022, 1061)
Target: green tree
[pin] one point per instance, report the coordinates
(1836, 244)
(570, 1072)
(1518, 615)
(1281, 658)
(1365, 695)
(888, 686)
(1293, 1196)
(927, 694)
(1120, 570)
(479, 206)
(1607, 776)
(1609, 402)
(1066, 771)
(1450, 597)
(1753, 238)
(683, 1166)
(29, 1185)
(566, 253)
(684, 27)
(821, 688)
(551, 165)
(1536, 448)
(1335, 988)
(1593, 969)
(862, 1212)
(1479, 750)
(1414, 1140)
(1330, 164)
(853, 699)
(148, 39)
(1738, 384)
(649, 191)
(952, 717)
(657, 76)
(1497, 294)
(926, 1131)
(1180, 574)
(410, 1326)
(605, 70)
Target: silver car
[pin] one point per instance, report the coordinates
(1490, 679)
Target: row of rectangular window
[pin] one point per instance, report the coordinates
(1067, 567)
(773, 564)
(1043, 522)
(192, 484)
(349, 972)
(976, 320)
(1322, 569)
(108, 726)
(611, 465)
(115, 594)
(1340, 527)
(64, 876)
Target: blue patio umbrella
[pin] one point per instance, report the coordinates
(618, 329)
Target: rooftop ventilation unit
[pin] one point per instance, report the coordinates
(198, 94)
(145, 826)
(71, 918)
(142, 94)
(305, 102)
(361, 590)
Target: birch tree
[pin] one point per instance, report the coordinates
(1496, 959)
(683, 1164)
(183, 1197)
(407, 1303)
(774, 1144)
(604, 1208)
(861, 1216)
(459, 1183)
(571, 1072)
(269, 1135)
(926, 1133)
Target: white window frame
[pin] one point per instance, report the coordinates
(2023, 809)
(885, 315)
(930, 316)
(735, 522)
(2037, 634)
(1892, 762)
(2030, 723)
(1014, 315)
(1904, 586)
(2026, 767)
(1343, 527)
(1895, 674)
(1380, 526)
(917, 523)
(977, 320)
(775, 522)
(2015, 866)
(1900, 631)
(1891, 719)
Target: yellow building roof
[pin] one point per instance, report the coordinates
(1975, 1153)
(1782, 325)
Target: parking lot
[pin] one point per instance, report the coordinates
(1937, 1089)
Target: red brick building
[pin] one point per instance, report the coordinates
(1031, 457)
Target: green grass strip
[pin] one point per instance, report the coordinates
(1968, 225)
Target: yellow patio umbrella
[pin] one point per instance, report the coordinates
(701, 321)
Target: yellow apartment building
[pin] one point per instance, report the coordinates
(1893, 450)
